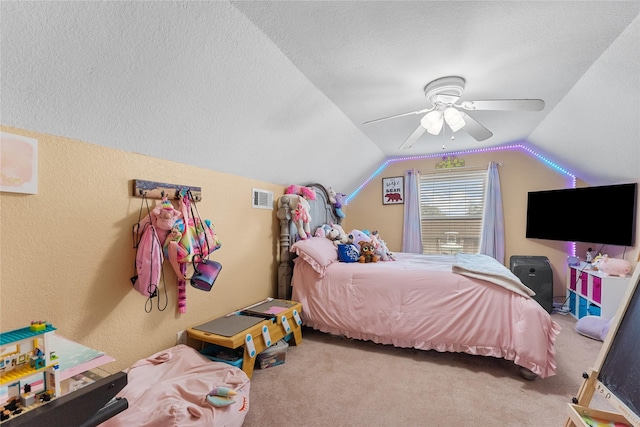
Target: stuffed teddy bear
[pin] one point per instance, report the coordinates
(367, 252)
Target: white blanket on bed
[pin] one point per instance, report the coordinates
(487, 268)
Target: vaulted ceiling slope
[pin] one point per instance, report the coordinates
(279, 91)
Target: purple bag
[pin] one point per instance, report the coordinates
(205, 273)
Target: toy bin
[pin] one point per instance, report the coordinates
(582, 307)
(273, 356)
(593, 310)
(572, 303)
(229, 356)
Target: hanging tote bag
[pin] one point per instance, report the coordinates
(190, 242)
(205, 273)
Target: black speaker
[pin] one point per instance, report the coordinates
(535, 272)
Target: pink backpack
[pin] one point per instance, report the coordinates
(148, 264)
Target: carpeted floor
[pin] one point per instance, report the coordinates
(332, 381)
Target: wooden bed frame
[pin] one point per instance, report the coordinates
(322, 212)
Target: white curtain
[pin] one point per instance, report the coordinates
(411, 232)
(492, 238)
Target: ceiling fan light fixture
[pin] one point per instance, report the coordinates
(454, 119)
(433, 122)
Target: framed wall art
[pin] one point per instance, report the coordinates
(18, 163)
(393, 190)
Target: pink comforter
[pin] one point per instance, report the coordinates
(169, 388)
(418, 302)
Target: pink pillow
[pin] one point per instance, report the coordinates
(318, 252)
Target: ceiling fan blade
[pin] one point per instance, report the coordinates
(505, 105)
(399, 115)
(475, 129)
(413, 138)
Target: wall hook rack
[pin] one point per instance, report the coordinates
(157, 190)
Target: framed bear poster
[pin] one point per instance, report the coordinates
(393, 190)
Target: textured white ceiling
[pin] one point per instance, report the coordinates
(278, 91)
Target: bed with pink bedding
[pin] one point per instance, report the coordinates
(448, 303)
(170, 388)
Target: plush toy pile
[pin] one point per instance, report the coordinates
(352, 243)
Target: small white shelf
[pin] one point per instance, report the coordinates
(591, 292)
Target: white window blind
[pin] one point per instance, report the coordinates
(451, 206)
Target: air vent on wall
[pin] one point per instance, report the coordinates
(262, 199)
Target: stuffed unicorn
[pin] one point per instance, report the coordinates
(300, 216)
(337, 200)
(297, 197)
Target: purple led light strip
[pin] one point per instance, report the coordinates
(572, 245)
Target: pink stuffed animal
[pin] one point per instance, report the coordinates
(381, 247)
(162, 217)
(613, 266)
(306, 192)
(299, 208)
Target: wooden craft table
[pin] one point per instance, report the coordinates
(276, 331)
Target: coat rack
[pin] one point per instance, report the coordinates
(157, 190)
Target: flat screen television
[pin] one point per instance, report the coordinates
(604, 214)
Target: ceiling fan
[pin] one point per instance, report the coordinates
(443, 93)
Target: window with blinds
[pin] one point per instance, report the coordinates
(451, 206)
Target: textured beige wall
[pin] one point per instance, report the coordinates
(67, 256)
(520, 173)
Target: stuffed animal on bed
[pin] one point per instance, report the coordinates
(323, 231)
(358, 236)
(337, 235)
(367, 252)
(381, 247)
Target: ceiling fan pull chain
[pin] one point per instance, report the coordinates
(444, 132)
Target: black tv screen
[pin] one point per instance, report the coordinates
(605, 214)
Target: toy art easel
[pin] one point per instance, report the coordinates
(616, 372)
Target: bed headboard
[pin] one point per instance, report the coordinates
(321, 212)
